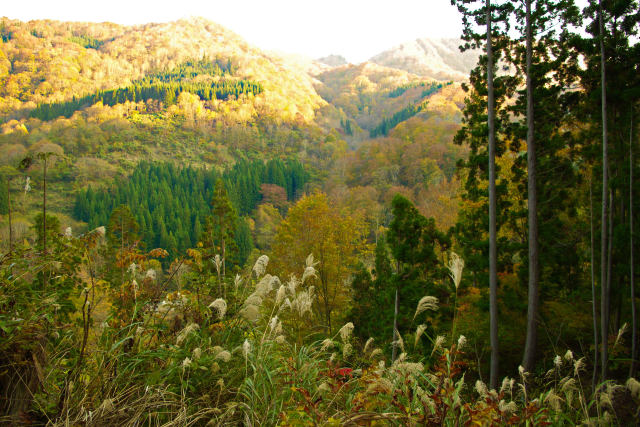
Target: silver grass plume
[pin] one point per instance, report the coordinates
(419, 331)
(481, 388)
(196, 353)
(303, 301)
(275, 326)
(134, 285)
(308, 272)
(508, 408)
(578, 366)
(217, 261)
(27, 185)
(375, 352)
(265, 285)
(437, 344)
(345, 331)
(253, 299)
(399, 342)
(347, 349)
(224, 355)
(505, 385)
(455, 267)
(261, 265)
(367, 345)
(190, 328)
(220, 306)
(250, 312)
(309, 262)
(327, 344)
(237, 281)
(132, 268)
(426, 303)
(246, 348)
(409, 368)
(621, 332)
(634, 387)
(462, 341)
(292, 284)
(553, 400)
(280, 295)
(186, 363)
(557, 361)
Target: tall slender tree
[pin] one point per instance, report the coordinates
(532, 197)
(493, 272)
(480, 131)
(634, 320)
(593, 293)
(604, 288)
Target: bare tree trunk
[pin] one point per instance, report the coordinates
(45, 271)
(604, 291)
(532, 311)
(9, 207)
(122, 248)
(493, 275)
(607, 313)
(593, 297)
(44, 209)
(634, 320)
(394, 344)
(224, 258)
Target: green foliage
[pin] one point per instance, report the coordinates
(5, 34)
(171, 204)
(429, 88)
(174, 363)
(162, 86)
(86, 41)
(409, 261)
(389, 123)
(53, 230)
(192, 68)
(4, 201)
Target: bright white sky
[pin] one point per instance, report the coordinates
(356, 29)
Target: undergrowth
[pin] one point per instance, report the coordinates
(246, 351)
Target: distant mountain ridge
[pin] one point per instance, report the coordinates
(333, 60)
(430, 57)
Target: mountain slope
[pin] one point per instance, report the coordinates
(434, 58)
(45, 61)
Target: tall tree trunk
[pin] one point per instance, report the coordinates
(604, 291)
(44, 209)
(224, 257)
(634, 320)
(493, 277)
(9, 207)
(394, 344)
(532, 311)
(45, 271)
(593, 297)
(122, 249)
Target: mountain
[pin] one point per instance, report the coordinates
(433, 58)
(333, 60)
(106, 97)
(49, 61)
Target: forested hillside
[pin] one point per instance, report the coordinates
(197, 232)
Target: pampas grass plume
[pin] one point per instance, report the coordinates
(426, 303)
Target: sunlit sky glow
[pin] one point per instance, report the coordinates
(356, 29)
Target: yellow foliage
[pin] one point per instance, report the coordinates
(335, 240)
